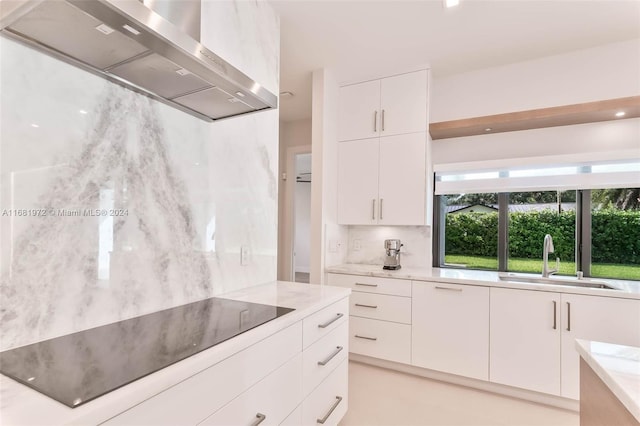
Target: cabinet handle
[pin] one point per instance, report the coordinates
(448, 288)
(336, 352)
(568, 316)
(383, 120)
(367, 285)
(260, 418)
(555, 317)
(326, 416)
(375, 122)
(366, 306)
(381, 200)
(366, 338)
(331, 321)
(373, 209)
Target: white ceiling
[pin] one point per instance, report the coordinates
(361, 38)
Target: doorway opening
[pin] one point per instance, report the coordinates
(301, 217)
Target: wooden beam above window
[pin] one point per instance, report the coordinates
(589, 112)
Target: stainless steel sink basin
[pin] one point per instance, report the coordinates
(574, 282)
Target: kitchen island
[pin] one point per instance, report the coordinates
(609, 384)
(221, 383)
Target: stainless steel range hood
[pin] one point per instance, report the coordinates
(152, 47)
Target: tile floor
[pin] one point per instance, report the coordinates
(302, 277)
(383, 397)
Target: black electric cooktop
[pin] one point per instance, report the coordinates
(79, 367)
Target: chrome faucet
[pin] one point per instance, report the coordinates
(548, 248)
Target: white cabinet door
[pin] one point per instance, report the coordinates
(602, 319)
(358, 111)
(358, 182)
(525, 339)
(403, 103)
(403, 180)
(450, 329)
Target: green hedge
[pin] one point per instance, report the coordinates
(615, 234)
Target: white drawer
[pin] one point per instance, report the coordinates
(381, 306)
(324, 321)
(295, 418)
(272, 398)
(392, 286)
(330, 400)
(380, 339)
(196, 398)
(324, 356)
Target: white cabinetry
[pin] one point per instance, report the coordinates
(279, 380)
(525, 339)
(382, 154)
(383, 181)
(450, 330)
(604, 319)
(385, 107)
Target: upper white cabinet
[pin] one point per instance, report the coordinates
(403, 104)
(602, 319)
(525, 339)
(389, 106)
(383, 181)
(382, 163)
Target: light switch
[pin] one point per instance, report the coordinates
(244, 255)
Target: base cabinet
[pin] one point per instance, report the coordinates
(525, 339)
(450, 331)
(603, 319)
(278, 380)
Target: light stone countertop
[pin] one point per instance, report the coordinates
(20, 405)
(618, 366)
(624, 289)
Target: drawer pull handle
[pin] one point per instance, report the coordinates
(448, 288)
(367, 285)
(366, 338)
(260, 418)
(326, 416)
(336, 352)
(331, 321)
(366, 306)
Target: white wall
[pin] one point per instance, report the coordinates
(604, 72)
(195, 192)
(328, 239)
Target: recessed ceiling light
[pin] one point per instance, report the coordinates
(488, 129)
(34, 125)
(620, 114)
(451, 3)
(82, 111)
(286, 94)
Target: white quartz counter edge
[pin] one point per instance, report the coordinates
(625, 289)
(618, 366)
(20, 405)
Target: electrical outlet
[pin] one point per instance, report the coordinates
(357, 245)
(244, 255)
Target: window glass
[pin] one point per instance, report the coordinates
(470, 223)
(615, 233)
(532, 215)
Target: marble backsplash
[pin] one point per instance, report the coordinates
(113, 205)
(366, 244)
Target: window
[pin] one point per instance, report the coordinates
(470, 224)
(596, 231)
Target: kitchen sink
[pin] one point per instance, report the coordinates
(574, 282)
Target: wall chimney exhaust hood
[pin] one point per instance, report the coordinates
(152, 47)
